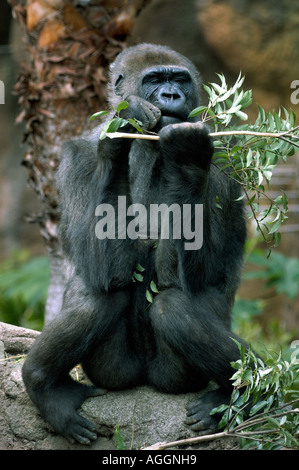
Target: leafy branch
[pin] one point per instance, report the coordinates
(252, 159)
(116, 122)
(271, 388)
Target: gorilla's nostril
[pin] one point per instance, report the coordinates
(170, 96)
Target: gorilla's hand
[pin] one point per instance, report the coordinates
(187, 143)
(141, 110)
(59, 405)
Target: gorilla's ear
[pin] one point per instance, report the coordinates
(117, 84)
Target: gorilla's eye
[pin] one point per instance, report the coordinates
(119, 80)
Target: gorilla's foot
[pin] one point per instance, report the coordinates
(198, 412)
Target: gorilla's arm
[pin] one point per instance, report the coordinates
(187, 150)
(93, 173)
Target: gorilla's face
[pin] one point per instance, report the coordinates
(156, 74)
(169, 88)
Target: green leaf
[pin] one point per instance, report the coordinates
(153, 287)
(256, 408)
(208, 90)
(249, 157)
(122, 105)
(250, 201)
(267, 174)
(119, 442)
(234, 109)
(112, 126)
(197, 111)
(276, 239)
(217, 203)
(260, 143)
(220, 154)
(247, 99)
(235, 149)
(247, 376)
(136, 124)
(140, 268)
(243, 116)
(98, 114)
(211, 113)
(276, 226)
(218, 88)
(219, 409)
(274, 423)
(138, 276)
(277, 120)
(105, 130)
(149, 296)
(284, 201)
(224, 420)
(225, 96)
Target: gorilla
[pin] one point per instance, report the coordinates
(179, 338)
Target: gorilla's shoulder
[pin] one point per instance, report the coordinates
(79, 159)
(76, 150)
(81, 151)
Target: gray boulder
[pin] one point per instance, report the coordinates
(143, 415)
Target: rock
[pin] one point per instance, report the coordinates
(144, 416)
(16, 340)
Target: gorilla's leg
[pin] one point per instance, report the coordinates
(192, 333)
(113, 364)
(84, 322)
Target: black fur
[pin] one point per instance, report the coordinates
(183, 339)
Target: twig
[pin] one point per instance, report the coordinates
(124, 135)
(255, 216)
(191, 440)
(263, 417)
(289, 141)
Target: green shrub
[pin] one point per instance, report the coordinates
(23, 290)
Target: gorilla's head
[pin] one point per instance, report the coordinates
(161, 76)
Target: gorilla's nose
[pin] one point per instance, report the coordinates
(171, 99)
